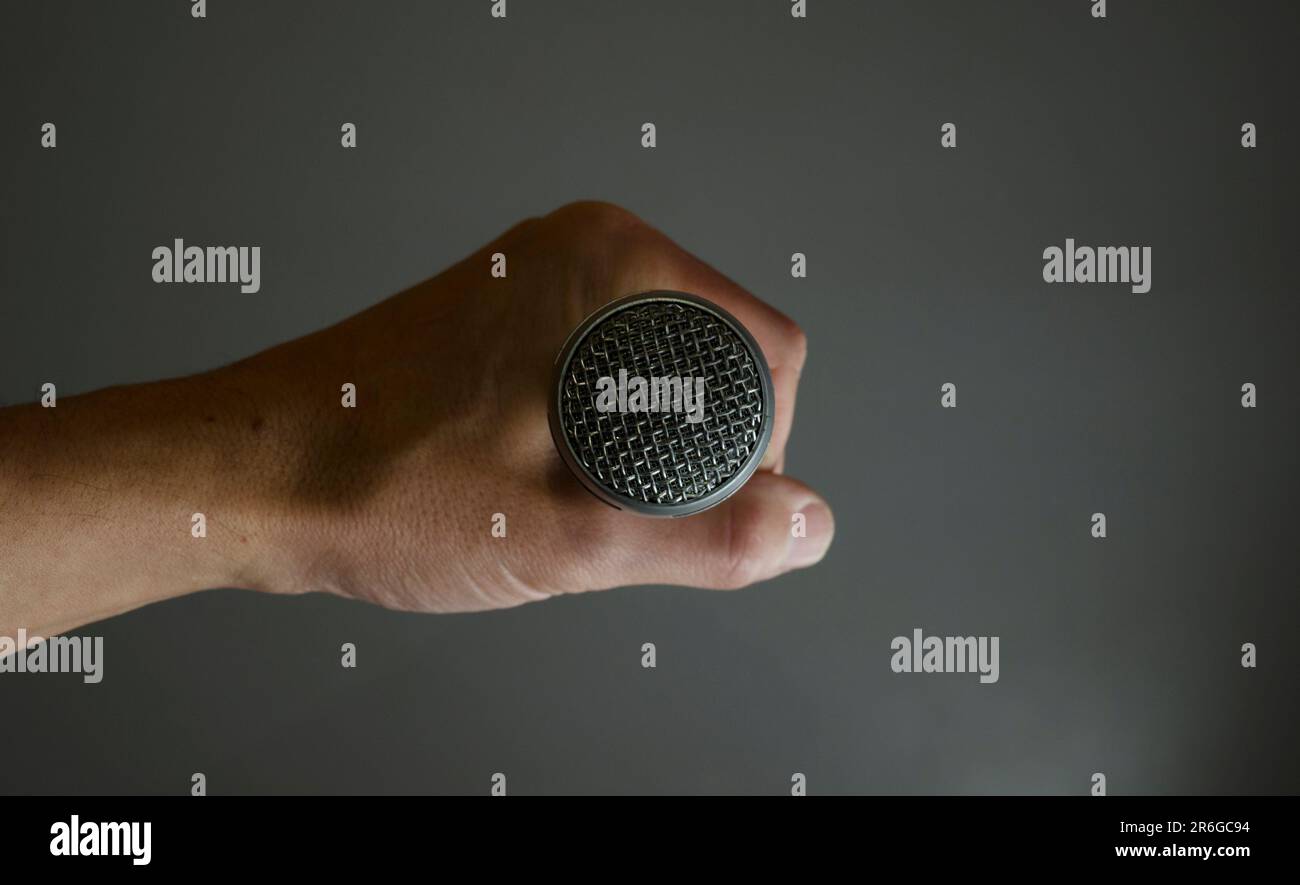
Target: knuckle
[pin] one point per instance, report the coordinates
(595, 214)
(747, 549)
(797, 340)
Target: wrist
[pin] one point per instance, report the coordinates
(123, 497)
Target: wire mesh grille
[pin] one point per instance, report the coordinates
(659, 457)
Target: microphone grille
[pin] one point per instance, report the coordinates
(665, 461)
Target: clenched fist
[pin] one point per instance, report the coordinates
(393, 500)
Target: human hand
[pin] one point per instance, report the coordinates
(393, 501)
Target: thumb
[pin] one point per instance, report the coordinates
(772, 525)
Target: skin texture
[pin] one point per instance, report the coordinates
(392, 501)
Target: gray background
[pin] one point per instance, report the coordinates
(775, 135)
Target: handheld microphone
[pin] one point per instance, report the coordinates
(661, 404)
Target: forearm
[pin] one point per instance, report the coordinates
(97, 499)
